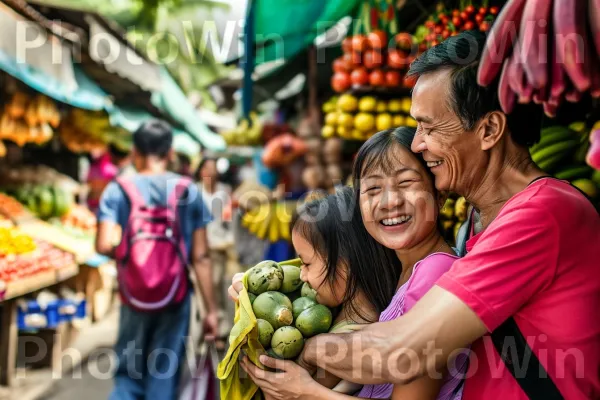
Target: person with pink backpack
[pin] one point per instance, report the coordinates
(163, 219)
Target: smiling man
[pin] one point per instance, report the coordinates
(530, 282)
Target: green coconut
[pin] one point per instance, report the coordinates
(287, 342)
(265, 332)
(252, 297)
(308, 291)
(264, 276)
(314, 320)
(291, 278)
(302, 304)
(275, 308)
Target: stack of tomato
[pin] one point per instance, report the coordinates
(450, 22)
(374, 60)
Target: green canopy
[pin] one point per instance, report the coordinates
(171, 99)
(283, 28)
(130, 119)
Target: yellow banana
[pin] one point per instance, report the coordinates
(273, 226)
(264, 226)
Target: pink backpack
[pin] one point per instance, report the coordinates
(152, 256)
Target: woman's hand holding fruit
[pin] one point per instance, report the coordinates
(291, 382)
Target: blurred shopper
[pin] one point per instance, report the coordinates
(217, 197)
(163, 219)
(122, 160)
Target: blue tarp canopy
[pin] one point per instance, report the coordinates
(87, 95)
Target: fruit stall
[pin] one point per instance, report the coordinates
(50, 276)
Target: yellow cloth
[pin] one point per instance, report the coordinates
(244, 335)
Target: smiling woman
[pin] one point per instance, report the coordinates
(395, 190)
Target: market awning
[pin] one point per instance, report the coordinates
(43, 62)
(171, 99)
(283, 28)
(130, 119)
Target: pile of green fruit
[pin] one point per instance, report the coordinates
(561, 153)
(286, 310)
(43, 201)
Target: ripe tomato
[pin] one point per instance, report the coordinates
(485, 26)
(377, 78)
(455, 13)
(393, 79)
(359, 43)
(359, 77)
(348, 61)
(396, 59)
(404, 41)
(429, 24)
(479, 18)
(438, 30)
(347, 45)
(422, 47)
(470, 9)
(378, 39)
(468, 26)
(483, 10)
(494, 10)
(372, 59)
(445, 34)
(339, 65)
(457, 22)
(464, 16)
(340, 82)
(444, 20)
(355, 59)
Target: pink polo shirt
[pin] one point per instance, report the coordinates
(538, 261)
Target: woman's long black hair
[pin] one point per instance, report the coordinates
(334, 228)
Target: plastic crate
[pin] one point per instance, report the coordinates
(71, 309)
(31, 316)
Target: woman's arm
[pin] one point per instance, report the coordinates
(424, 388)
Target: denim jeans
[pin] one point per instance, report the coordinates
(150, 348)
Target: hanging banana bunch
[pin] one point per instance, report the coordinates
(270, 220)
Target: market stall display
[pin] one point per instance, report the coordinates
(249, 132)
(358, 118)
(86, 131)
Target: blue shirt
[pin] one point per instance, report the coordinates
(155, 189)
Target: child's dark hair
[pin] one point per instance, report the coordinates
(153, 138)
(334, 228)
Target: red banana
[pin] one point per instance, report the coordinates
(515, 72)
(540, 95)
(573, 96)
(505, 94)
(550, 109)
(558, 77)
(533, 39)
(500, 41)
(526, 94)
(593, 155)
(571, 36)
(595, 86)
(594, 12)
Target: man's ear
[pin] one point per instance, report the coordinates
(493, 127)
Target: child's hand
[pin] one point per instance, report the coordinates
(236, 286)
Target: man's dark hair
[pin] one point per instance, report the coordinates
(154, 138)
(471, 102)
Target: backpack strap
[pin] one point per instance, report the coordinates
(182, 186)
(531, 375)
(131, 191)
